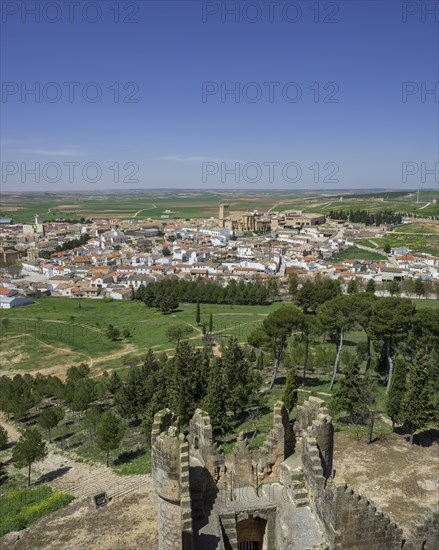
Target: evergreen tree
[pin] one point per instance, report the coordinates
(210, 322)
(198, 313)
(416, 411)
(352, 286)
(291, 389)
(371, 286)
(419, 287)
(293, 285)
(114, 383)
(3, 437)
(216, 399)
(109, 433)
(397, 390)
(92, 419)
(30, 448)
(50, 418)
(353, 394)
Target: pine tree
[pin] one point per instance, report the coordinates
(397, 390)
(291, 391)
(416, 411)
(30, 448)
(216, 398)
(109, 433)
(50, 418)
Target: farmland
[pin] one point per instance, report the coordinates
(158, 205)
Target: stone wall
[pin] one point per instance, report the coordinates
(242, 465)
(201, 439)
(308, 413)
(424, 533)
(359, 525)
(279, 443)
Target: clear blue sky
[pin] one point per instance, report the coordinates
(170, 131)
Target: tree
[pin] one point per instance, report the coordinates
(293, 285)
(168, 303)
(387, 249)
(166, 251)
(416, 411)
(278, 326)
(109, 433)
(114, 383)
(30, 448)
(91, 420)
(50, 418)
(352, 286)
(113, 333)
(391, 321)
(198, 313)
(291, 389)
(371, 286)
(210, 322)
(3, 437)
(393, 288)
(397, 391)
(419, 287)
(335, 315)
(176, 332)
(354, 395)
(126, 333)
(216, 397)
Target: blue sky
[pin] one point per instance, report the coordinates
(357, 54)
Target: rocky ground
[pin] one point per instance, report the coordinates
(400, 478)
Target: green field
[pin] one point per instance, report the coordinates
(355, 253)
(60, 332)
(417, 242)
(55, 333)
(195, 204)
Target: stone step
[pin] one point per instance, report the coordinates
(301, 502)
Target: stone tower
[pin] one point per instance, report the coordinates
(224, 212)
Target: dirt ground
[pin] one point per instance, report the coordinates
(126, 523)
(400, 478)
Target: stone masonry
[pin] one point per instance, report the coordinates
(281, 497)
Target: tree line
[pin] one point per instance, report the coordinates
(206, 291)
(388, 217)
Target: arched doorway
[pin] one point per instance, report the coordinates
(251, 533)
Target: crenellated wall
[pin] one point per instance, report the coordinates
(424, 532)
(279, 443)
(199, 494)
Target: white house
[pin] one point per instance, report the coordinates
(9, 298)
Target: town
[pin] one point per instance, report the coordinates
(99, 257)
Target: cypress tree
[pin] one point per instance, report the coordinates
(198, 313)
(416, 410)
(216, 397)
(397, 390)
(210, 322)
(290, 392)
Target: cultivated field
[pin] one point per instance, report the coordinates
(159, 205)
